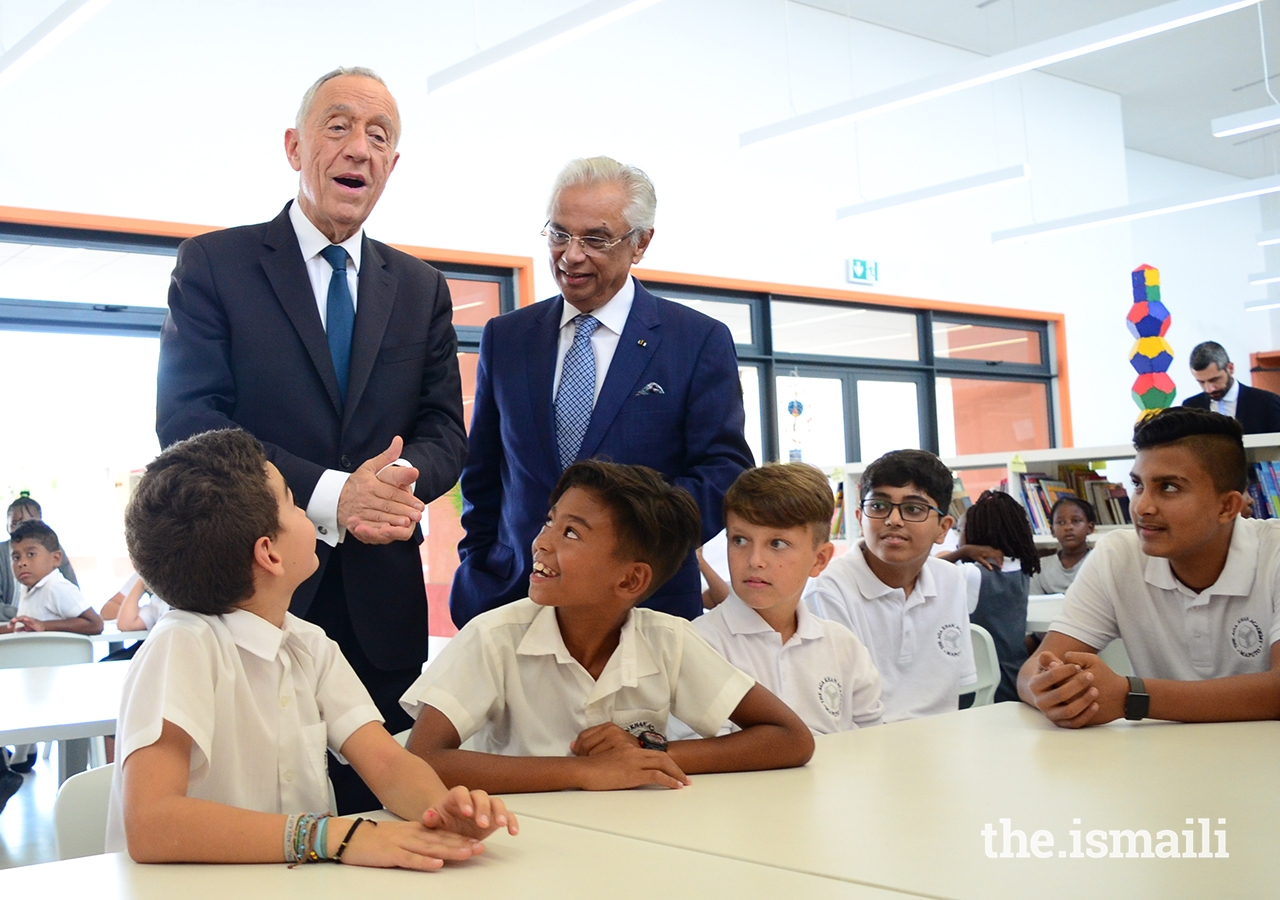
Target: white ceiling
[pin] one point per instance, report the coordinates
(1170, 85)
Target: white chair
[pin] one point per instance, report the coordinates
(46, 648)
(80, 813)
(988, 665)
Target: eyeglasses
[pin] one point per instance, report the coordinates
(911, 510)
(593, 244)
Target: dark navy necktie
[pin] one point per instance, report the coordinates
(340, 316)
(577, 393)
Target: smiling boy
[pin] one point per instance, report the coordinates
(777, 522)
(1193, 591)
(909, 609)
(574, 686)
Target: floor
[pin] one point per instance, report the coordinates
(26, 825)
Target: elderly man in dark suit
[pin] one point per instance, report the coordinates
(339, 354)
(1258, 411)
(606, 370)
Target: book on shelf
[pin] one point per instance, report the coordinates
(1040, 492)
(1264, 490)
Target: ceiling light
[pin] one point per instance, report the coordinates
(1240, 123)
(1239, 191)
(1142, 24)
(960, 185)
(560, 30)
(1267, 238)
(1261, 305)
(44, 37)
(1264, 278)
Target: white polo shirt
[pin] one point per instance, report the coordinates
(920, 644)
(508, 680)
(823, 672)
(1169, 630)
(261, 705)
(52, 597)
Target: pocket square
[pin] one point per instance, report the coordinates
(651, 388)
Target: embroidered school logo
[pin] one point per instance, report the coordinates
(949, 637)
(1247, 638)
(829, 693)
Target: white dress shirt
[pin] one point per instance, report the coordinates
(1227, 405)
(612, 318)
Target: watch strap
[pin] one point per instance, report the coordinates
(1138, 703)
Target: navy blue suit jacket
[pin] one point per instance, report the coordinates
(243, 346)
(691, 432)
(1257, 411)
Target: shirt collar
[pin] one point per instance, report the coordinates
(1233, 393)
(1236, 578)
(53, 576)
(630, 662)
(742, 619)
(312, 241)
(871, 587)
(613, 315)
(255, 634)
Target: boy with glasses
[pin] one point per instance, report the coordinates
(908, 608)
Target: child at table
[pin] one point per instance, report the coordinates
(1193, 590)
(24, 509)
(230, 703)
(909, 608)
(573, 687)
(998, 596)
(1073, 520)
(778, 523)
(46, 600)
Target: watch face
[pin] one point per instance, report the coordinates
(652, 740)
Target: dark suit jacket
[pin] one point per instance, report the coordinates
(1258, 411)
(691, 432)
(243, 345)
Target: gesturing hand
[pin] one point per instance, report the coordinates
(471, 814)
(376, 504)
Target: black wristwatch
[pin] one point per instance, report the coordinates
(651, 740)
(1138, 703)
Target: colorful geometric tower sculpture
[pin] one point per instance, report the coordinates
(1151, 356)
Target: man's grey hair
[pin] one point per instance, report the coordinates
(642, 200)
(1209, 353)
(309, 98)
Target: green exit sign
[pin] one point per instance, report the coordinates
(862, 271)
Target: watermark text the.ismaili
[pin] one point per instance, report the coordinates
(1007, 842)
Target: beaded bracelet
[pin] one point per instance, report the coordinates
(316, 836)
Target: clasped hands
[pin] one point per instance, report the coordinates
(613, 760)
(377, 504)
(1077, 690)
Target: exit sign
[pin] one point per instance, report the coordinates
(862, 271)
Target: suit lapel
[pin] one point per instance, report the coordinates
(540, 362)
(376, 296)
(282, 261)
(636, 346)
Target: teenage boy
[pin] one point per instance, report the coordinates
(231, 701)
(573, 687)
(1193, 591)
(778, 524)
(910, 609)
(46, 600)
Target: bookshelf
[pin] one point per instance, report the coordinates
(1114, 460)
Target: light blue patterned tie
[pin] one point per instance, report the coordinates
(340, 315)
(577, 392)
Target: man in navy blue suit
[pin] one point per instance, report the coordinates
(1257, 411)
(339, 354)
(605, 370)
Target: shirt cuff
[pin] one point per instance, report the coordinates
(322, 510)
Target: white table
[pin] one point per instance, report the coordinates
(62, 703)
(112, 634)
(547, 860)
(1042, 610)
(903, 806)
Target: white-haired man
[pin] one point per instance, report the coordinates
(606, 370)
(339, 354)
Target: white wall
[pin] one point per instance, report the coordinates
(168, 111)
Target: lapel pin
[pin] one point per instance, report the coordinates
(642, 343)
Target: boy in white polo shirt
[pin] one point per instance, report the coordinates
(910, 609)
(47, 601)
(778, 524)
(573, 687)
(1193, 591)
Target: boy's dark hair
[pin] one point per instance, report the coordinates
(783, 495)
(27, 503)
(35, 530)
(1086, 507)
(898, 468)
(999, 521)
(656, 522)
(195, 516)
(1215, 439)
